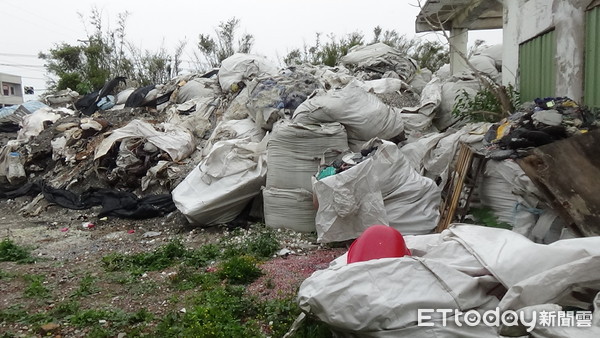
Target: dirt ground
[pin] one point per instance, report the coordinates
(68, 250)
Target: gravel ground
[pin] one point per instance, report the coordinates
(69, 249)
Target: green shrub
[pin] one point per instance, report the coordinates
(240, 270)
(483, 106)
(11, 252)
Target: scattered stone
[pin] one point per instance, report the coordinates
(284, 252)
(151, 234)
(49, 328)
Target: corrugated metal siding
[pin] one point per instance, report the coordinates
(592, 58)
(537, 68)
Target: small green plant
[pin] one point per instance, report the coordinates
(35, 288)
(483, 106)
(259, 241)
(6, 275)
(203, 255)
(11, 252)
(240, 270)
(188, 278)
(165, 256)
(485, 216)
(65, 309)
(117, 319)
(87, 286)
(221, 311)
(17, 314)
(137, 264)
(264, 244)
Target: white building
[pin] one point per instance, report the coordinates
(550, 47)
(11, 90)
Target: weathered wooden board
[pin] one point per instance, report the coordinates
(568, 173)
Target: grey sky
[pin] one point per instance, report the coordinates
(277, 25)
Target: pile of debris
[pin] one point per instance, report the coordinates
(331, 150)
(538, 123)
(250, 140)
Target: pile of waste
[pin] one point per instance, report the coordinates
(298, 148)
(331, 150)
(538, 123)
(243, 140)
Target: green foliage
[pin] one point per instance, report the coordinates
(240, 270)
(17, 314)
(428, 54)
(203, 255)
(483, 106)
(6, 275)
(187, 278)
(137, 264)
(65, 309)
(215, 50)
(328, 53)
(222, 311)
(104, 54)
(11, 252)
(87, 286)
(35, 287)
(485, 216)
(118, 318)
(260, 242)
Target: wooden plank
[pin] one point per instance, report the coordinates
(457, 179)
(568, 173)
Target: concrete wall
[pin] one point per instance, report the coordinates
(526, 19)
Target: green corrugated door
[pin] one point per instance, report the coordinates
(537, 69)
(592, 57)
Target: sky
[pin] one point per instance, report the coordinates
(278, 26)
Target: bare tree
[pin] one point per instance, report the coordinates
(214, 51)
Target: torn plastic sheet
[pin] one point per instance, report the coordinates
(362, 113)
(278, 96)
(234, 129)
(380, 58)
(224, 182)
(161, 169)
(511, 194)
(411, 200)
(194, 115)
(383, 86)
(333, 77)
(114, 203)
(349, 203)
(197, 88)
(243, 67)
(33, 124)
(456, 269)
(175, 141)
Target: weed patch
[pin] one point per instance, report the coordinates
(35, 287)
(87, 286)
(258, 241)
(11, 252)
(240, 270)
(222, 311)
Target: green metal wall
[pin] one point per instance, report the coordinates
(537, 69)
(592, 58)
